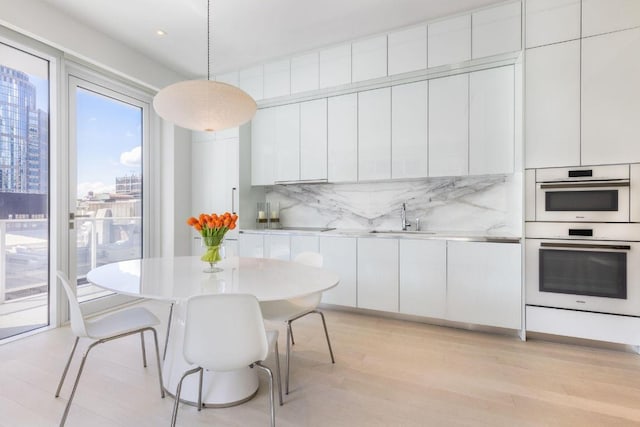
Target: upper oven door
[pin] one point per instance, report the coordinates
(592, 201)
(599, 276)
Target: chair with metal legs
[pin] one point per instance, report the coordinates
(225, 332)
(106, 328)
(289, 310)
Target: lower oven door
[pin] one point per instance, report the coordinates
(599, 276)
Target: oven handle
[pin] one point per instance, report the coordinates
(586, 185)
(585, 246)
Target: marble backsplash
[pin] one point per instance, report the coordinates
(480, 204)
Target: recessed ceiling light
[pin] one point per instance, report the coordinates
(161, 33)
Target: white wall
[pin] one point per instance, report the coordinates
(46, 24)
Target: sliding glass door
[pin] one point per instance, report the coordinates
(24, 191)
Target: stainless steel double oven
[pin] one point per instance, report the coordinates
(583, 249)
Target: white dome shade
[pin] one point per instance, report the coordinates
(204, 105)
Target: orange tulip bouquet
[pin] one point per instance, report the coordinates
(212, 228)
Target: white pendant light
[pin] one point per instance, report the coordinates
(204, 105)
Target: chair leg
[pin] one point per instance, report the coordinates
(326, 334)
(288, 360)
(271, 402)
(66, 367)
(75, 384)
(166, 339)
(277, 355)
(144, 350)
(155, 340)
(174, 415)
(200, 390)
(289, 322)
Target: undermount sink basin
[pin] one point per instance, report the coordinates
(401, 232)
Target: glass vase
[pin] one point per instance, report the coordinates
(213, 255)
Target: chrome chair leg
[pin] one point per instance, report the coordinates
(155, 340)
(271, 402)
(75, 384)
(326, 334)
(288, 360)
(277, 354)
(66, 368)
(293, 342)
(144, 350)
(174, 415)
(200, 390)
(166, 339)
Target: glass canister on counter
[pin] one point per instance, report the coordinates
(268, 215)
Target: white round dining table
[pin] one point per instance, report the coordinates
(175, 279)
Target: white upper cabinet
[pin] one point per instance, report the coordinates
(305, 73)
(610, 101)
(335, 66)
(604, 16)
(450, 41)
(287, 121)
(552, 110)
(277, 79)
(551, 21)
(491, 121)
(407, 50)
(252, 82)
(409, 130)
(342, 138)
(313, 140)
(496, 30)
(369, 58)
(449, 126)
(374, 134)
(263, 147)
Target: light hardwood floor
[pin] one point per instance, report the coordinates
(387, 373)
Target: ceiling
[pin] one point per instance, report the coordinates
(246, 32)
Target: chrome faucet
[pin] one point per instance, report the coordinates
(403, 217)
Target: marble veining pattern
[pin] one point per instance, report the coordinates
(485, 204)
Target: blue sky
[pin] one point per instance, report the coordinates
(109, 137)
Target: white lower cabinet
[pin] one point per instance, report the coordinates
(277, 246)
(302, 243)
(339, 256)
(423, 277)
(484, 284)
(378, 274)
(251, 245)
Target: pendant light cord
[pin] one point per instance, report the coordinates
(208, 39)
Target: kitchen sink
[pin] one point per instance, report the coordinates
(401, 232)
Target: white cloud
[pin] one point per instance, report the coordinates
(97, 187)
(132, 158)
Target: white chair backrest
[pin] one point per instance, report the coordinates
(224, 332)
(312, 259)
(77, 319)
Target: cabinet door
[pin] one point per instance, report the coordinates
(369, 58)
(339, 256)
(335, 66)
(342, 138)
(277, 246)
(374, 134)
(423, 277)
(491, 121)
(450, 41)
(313, 139)
(305, 73)
(251, 245)
(449, 126)
(301, 244)
(287, 121)
(263, 147)
(610, 101)
(252, 82)
(409, 130)
(552, 110)
(277, 79)
(551, 21)
(378, 274)
(407, 50)
(496, 30)
(484, 283)
(605, 16)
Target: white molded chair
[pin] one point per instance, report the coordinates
(225, 332)
(106, 328)
(289, 310)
